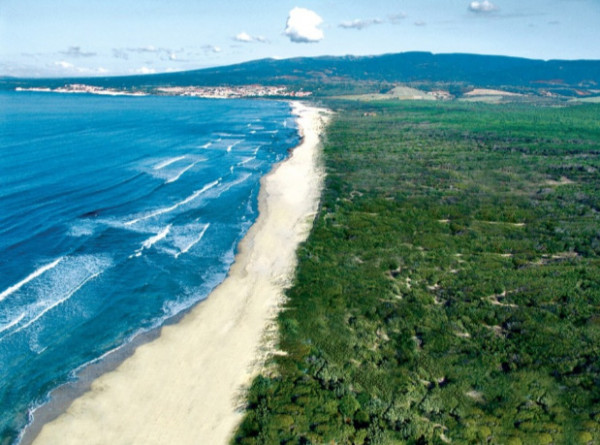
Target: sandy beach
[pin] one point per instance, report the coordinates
(184, 387)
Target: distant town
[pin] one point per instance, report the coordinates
(191, 91)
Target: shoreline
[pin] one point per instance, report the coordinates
(185, 385)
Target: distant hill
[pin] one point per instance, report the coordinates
(326, 73)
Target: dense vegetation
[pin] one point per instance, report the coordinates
(450, 289)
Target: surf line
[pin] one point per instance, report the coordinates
(152, 241)
(193, 243)
(12, 323)
(168, 162)
(30, 277)
(229, 147)
(176, 177)
(69, 294)
(174, 206)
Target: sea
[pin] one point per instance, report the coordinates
(117, 214)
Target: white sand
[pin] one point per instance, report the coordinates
(487, 92)
(183, 387)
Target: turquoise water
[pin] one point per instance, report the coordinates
(116, 213)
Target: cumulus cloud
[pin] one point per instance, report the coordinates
(303, 26)
(243, 37)
(75, 51)
(360, 23)
(482, 7)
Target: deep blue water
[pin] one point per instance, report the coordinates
(116, 213)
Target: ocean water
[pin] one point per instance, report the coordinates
(116, 214)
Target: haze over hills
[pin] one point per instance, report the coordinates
(328, 74)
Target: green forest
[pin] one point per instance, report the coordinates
(449, 291)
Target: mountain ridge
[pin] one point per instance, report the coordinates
(323, 71)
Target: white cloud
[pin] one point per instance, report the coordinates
(484, 7)
(420, 23)
(247, 38)
(243, 37)
(303, 26)
(360, 23)
(67, 68)
(144, 70)
(64, 65)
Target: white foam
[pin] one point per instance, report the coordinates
(156, 238)
(231, 184)
(58, 302)
(194, 242)
(12, 323)
(164, 210)
(168, 162)
(245, 161)
(208, 144)
(60, 285)
(229, 147)
(30, 277)
(82, 229)
(178, 175)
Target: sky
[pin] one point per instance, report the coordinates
(50, 38)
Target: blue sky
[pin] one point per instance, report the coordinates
(113, 37)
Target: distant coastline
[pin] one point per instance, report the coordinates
(419, 75)
(236, 92)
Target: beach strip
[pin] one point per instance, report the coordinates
(185, 386)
